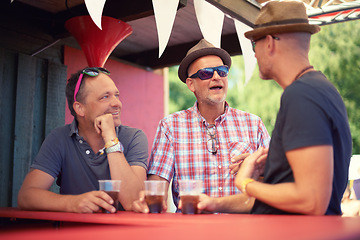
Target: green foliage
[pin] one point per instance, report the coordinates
(180, 97)
(259, 97)
(335, 51)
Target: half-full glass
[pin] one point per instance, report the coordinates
(190, 191)
(112, 188)
(154, 195)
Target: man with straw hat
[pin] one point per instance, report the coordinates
(306, 168)
(198, 143)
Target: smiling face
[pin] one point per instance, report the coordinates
(211, 91)
(101, 97)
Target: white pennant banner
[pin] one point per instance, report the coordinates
(246, 47)
(95, 9)
(165, 12)
(210, 20)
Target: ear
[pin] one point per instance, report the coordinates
(270, 47)
(79, 108)
(190, 84)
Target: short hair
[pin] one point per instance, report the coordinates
(70, 89)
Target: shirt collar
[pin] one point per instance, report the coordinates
(74, 128)
(220, 119)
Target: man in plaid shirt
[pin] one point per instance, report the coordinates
(201, 142)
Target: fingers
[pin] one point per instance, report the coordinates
(97, 127)
(259, 156)
(180, 204)
(140, 205)
(104, 201)
(237, 161)
(164, 206)
(91, 202)
(206, 204)
(240, 157)
(234, 168)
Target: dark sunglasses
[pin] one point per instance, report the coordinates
(254, 42)
(212, 143)
(92, 72)
(207, 73)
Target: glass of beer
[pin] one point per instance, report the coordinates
(190, 191)
(154, 195)
(112, 188)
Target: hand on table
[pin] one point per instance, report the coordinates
(206, 204)
(91, 202)
(140, 205)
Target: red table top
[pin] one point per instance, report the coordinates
(129, 225)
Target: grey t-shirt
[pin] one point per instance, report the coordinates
(69, 158)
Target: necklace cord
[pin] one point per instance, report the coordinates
(302, 71)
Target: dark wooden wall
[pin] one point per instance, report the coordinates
(32, 103)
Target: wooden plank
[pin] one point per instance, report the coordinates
(23, 121)
(55, 100)
(38, 133)
(243, 10)
(8, 63)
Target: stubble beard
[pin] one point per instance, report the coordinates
(213, 100)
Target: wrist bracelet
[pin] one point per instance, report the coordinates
(115, 148)
(111, 143)
(244, 183)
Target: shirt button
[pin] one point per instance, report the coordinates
(87, 152)
(80, 141)
(220, 188)
(219, 166)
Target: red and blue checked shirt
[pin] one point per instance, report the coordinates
(180, 148)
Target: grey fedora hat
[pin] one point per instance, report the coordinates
(203, 48)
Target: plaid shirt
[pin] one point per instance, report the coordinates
(180, 148)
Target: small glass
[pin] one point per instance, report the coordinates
(190, 191)
(154, 195)
(112, 188)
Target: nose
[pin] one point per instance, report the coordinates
(216, 76)
(115, 102)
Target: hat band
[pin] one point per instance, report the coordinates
(289, 21)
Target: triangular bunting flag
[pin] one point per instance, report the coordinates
(246, 47)
(95, 9)
(210, 20)
(165, 12)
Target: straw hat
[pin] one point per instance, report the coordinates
(281, 17)
(203, 48)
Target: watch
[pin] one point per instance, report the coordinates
(111, 142)
(118, 147)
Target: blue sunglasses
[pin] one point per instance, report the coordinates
(207, 73)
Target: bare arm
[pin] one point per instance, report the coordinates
(310, 193)
(239, 203)
(34, 194)
(132, 177)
